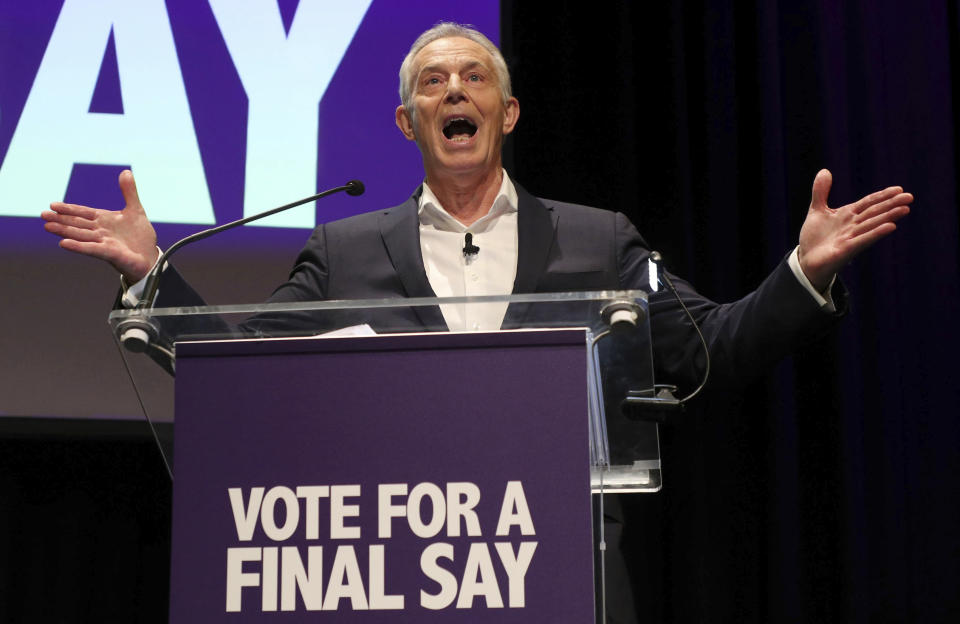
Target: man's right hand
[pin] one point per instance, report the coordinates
(126, 238)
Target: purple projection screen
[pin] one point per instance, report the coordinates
(221, 108)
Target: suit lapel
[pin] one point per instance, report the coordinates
(536, 225)
(535, 233)
(400, 229)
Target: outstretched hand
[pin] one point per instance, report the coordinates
(125, 238)
(832, 237)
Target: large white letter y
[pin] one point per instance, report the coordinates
(285, 76)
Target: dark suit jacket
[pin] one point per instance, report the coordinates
(562, 247)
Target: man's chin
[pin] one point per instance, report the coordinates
(464, 163)
(466, 169)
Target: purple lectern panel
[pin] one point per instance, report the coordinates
(419, 478)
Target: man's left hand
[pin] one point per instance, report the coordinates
(832, 237)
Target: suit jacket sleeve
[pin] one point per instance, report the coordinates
(745, 336)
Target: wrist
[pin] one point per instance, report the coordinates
(136, 273)
(821, 278)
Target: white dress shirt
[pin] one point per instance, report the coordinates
(453, 273)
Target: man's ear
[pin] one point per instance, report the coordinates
(405, 123)
(511, 114)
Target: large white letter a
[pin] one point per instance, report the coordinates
(154, 134)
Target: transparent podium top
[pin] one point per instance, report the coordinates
(623, 439)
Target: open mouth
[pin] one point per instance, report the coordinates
(459, 129)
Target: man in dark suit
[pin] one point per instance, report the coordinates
(457, 106)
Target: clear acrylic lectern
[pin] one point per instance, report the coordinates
(624, 449)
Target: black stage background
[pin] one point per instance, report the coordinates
(824, 492)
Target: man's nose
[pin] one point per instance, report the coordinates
(455, 91)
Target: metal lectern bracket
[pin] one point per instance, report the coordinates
(654, 404)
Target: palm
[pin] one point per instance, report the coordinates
(832, 237)
(125, 238)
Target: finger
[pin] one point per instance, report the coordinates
(877, 197)
(821, 189)
(865, 240)
(128, 186)
(901, 200)
(879, 220)
(96, 250)
(74, 209)
(101, 250)
(64, 219)
(74, 233)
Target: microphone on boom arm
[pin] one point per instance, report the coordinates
(138, 331)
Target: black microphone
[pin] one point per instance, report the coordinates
(136, 332)
(354, 188)
(469, 249)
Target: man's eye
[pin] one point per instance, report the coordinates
(474, 78)
(433, 81)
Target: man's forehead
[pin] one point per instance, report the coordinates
(452, 50)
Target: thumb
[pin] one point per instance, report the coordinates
(821, 188)
(128, 186)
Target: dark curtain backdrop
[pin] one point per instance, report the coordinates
(826, 491)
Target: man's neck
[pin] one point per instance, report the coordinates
(467, 200)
